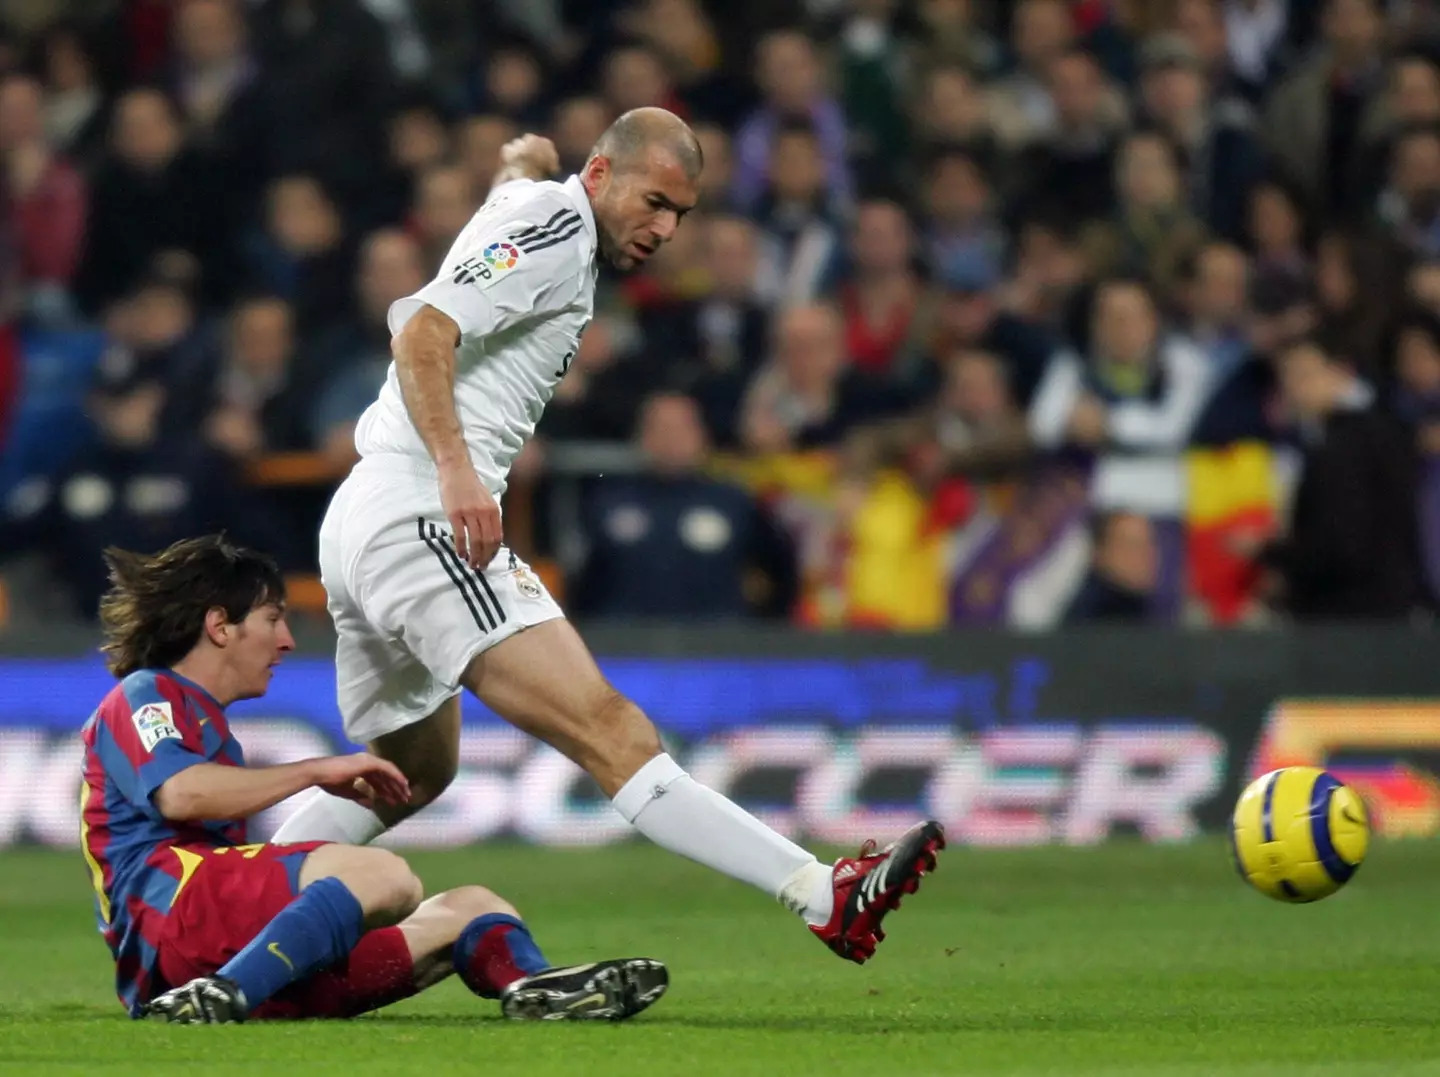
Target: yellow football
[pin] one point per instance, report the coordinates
(1299, 834)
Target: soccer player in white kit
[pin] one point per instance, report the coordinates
(426, 600)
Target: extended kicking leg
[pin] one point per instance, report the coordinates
(545, 682)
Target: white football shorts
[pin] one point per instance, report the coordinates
(409, 613)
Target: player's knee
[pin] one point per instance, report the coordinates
(470, 902)
(383, 884)
(397, 891)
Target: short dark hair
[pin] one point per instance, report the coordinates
(154, 613)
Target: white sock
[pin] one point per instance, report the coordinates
(679, 814)
(325, 818)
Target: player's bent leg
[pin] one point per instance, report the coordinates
(326, 900)
(381, 883)
(479, 935)
(426, 751)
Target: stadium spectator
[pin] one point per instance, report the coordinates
(351, 359)
(45, 202)
(217, 88)
(1352, 550)
(305, 254)
(951, 35)
(1153, 231)
(419, 140)
(708, 346)
(1276, 233)
(75, 103)
(802, 242)
(870, 57)
(1410, 203)
(1071, 166)
(1051, 272)
(687, 42)
(882, 300)
(973, 429)
(1258, 38)
(150, 196)
(717, 179)
(635, 77)
(1123, 574)
(479, 139)
(969, 315)
(807, 395)
(950, 111)
(1417, 403)
(1216, 137)
(676, 544)
(1132, 401)
(1412, 102)
(960, 210)
(1020, 106)
(513, 84)
(327, 71)
(255, 404)
(1219, 319)
(789, 75)
(444, 203)
(1354, 318)
(578, 124)
(599, 397)
(1320, 120)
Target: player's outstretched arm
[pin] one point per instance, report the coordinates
(425, 365)
(208, 791)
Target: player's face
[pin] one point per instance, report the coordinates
(638, 210)
(262, 640)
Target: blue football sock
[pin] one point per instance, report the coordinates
(317, 929)
(494, 951)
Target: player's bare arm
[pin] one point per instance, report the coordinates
(425, 366)
(209, 791)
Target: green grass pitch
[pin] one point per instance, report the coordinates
(1125, 959)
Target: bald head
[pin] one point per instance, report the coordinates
(642, 179)
(628, 141)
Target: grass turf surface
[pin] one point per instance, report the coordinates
(1121, 960)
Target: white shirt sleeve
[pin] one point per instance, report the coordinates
(1164, 426)
(499, 274)
(1055, 400)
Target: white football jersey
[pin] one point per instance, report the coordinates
(520, 283)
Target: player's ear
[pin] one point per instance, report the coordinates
(595, 174)
(217, 626)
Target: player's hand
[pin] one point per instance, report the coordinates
(532, 155)
(473, 513)
(363, 778)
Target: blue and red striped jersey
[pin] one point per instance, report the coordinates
(150, 727)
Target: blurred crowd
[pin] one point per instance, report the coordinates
(993, 313)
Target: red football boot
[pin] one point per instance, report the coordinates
(870, 885)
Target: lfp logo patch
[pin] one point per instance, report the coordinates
(501, 256)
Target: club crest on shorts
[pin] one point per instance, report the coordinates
(526, 583)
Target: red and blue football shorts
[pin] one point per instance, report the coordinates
(229, 898)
